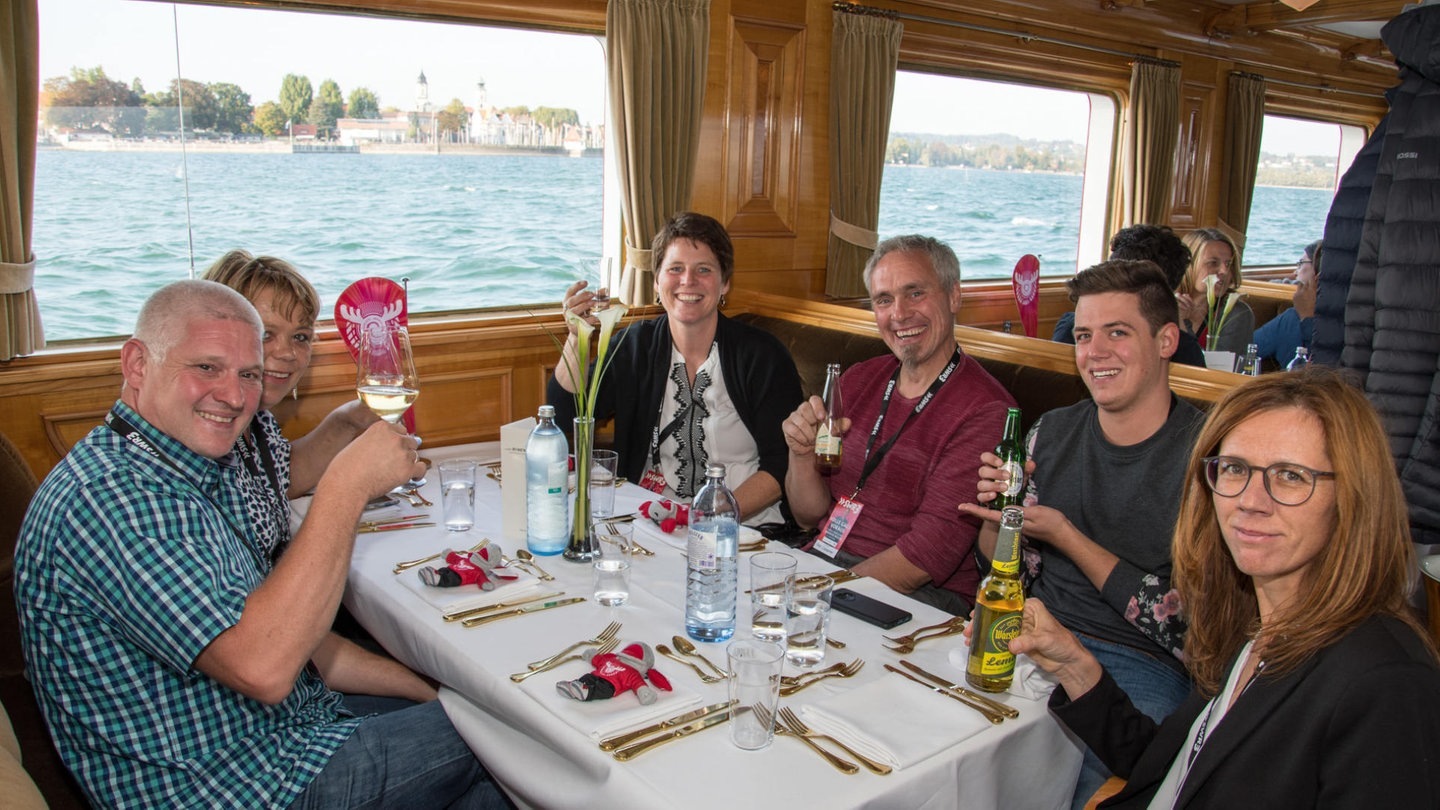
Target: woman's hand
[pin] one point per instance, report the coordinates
(1055, 650)
(582, 302)
(1192, 311)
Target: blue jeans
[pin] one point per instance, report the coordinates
(1152, 686)
(407, 756)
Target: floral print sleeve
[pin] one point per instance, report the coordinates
(1154, 609)
(1029, 555)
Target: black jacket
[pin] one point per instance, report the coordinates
(1358, 725)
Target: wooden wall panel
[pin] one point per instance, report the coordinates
(764, 108)
(1191, 195)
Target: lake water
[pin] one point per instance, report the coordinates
(468, 230)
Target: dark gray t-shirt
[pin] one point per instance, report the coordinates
(1126, 500)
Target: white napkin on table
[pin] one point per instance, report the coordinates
(465, 597)
(894, 721)
(601, 718)
(1030, 681)
(646, 530)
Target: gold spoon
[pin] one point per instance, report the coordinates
(529, 559)
(686, 648)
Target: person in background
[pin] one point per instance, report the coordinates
(1214, 254)
(1104, 489)
(1314, 684)
(895, 488)
(1158, 244)
(1281, 335)
(273, 470)
(174, 665)
(691, 387)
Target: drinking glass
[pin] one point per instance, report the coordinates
(771, 575)
(595, 270)
(385, 378)
(457, 491)
(603, 465)
(612, 563)
(754, 683)
(809, 616)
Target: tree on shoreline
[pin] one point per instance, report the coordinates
(363, 104)
(270, 120)
(295, 97)
(88, 99)
(327, 107)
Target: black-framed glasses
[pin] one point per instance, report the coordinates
(1289, 484)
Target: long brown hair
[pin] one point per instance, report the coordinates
(1196, 241)
(1363, 570)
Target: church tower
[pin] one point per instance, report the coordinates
(422, 94)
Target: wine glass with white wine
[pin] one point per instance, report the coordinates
(385, 375)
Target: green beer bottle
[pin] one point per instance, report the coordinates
(999, 607)
(1011, 451)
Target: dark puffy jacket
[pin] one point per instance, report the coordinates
(1342, 239)
(1392, 310)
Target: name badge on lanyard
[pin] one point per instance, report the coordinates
(837, 526)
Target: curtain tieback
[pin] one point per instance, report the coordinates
(854, 234)
(1236, 235)
(17, 278)
(639, 258)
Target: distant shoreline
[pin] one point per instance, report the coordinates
(283, 148)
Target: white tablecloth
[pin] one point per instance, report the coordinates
(545, 761)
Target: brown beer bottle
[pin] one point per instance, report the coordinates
(999, 607)
(1011, 451)
(827, 436)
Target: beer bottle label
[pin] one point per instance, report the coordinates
(996, 658)
(1016, 471)
(826, 443)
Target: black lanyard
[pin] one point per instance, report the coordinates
(1200, 733)
(873, 461)
(131, 435)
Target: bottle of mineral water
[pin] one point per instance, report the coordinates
(1301, 359)
(710, 588)
(1250, 365)
(547, 486)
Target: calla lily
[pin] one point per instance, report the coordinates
(609, 319)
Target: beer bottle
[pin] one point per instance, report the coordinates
(827, 437)
(998, 611)
(1011, 451)
(1250, 365)
(1301, 359)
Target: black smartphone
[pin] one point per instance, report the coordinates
(868, 610)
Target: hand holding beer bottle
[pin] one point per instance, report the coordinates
(828, 434)
(999, 609)
(1011, 451)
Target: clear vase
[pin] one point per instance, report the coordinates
(583, 546)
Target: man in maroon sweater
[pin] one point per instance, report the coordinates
(912, 418)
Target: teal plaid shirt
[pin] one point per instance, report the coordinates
(127, 568)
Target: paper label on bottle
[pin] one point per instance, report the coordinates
(1016, 472)
(557, 478)
(700, 549)
(997, 660)
(826, 443)
(837, 526)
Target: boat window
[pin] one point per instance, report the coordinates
(999, 170)
(1300, 166)
(466, 158)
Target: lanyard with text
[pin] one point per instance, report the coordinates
(836, 528)
(131, 435)
(873, 461)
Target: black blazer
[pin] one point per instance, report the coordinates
(1356, 726)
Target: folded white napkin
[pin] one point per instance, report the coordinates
(646, 530)
(465, 597)
(1030, 680)
(894, 721)
(601, 718)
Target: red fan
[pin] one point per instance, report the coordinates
(371, 304)
(1027, 293)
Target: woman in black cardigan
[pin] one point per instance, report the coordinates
(692, 386)
(1314, 684)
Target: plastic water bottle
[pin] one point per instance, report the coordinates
(1301, 359)
(710, 588)
(547, 486)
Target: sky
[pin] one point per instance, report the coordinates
(255, 49)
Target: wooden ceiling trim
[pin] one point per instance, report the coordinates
(1264, 16)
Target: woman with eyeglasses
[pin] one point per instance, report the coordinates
(273, 468)
(1212, 253)
(1314, 684)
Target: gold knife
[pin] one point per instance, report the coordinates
(611, 743)
(397, 519)
(479, 620)
(635, 749)
(457, 615)
(391, 527)
(991, 715)
(1008, 711)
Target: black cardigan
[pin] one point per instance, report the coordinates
(759, 375)
(1357, 725)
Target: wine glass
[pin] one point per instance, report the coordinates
(385, 375)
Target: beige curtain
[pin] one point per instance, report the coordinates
(1152, 130)
(20, 331)
(1244, 119)
(655, 52)
(863, 57)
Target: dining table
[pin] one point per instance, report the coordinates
(542, 746)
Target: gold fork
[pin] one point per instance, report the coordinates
(842, 765)
(847, 671)
(909, 638)
(608, 646)
(909, 647)
(793, 722)
(611, 631)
